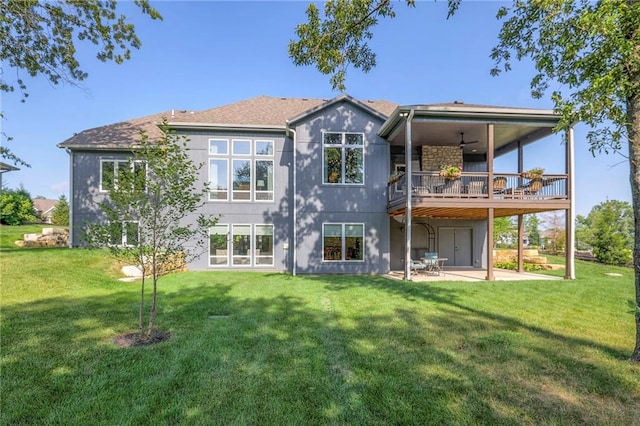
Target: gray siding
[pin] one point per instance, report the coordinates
(274, 212)
(319, 203)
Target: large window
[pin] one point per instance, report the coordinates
(343, 241)
(343, 158)
(246, 245)
(249, 168)
(112, 170)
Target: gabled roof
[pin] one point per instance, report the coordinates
(44, 205)
(259, 112)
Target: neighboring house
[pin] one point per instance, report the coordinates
(44, 209)
(303, 185)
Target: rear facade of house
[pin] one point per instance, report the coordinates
(303, 185)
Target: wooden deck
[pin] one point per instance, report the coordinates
(472, 194)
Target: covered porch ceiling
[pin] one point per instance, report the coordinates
(442, 125)
(469, 213)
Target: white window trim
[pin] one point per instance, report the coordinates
(251, 190)
(123, 238)
(115, 162)
(219, 265)
(252, 157)
(226, 141)
(255, 147)
(255, 184)
(252, 250)
(254, 255)
(343, 242)
(233, 143)
(343, 145)
(229, 187)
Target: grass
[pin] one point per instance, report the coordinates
(251, 348)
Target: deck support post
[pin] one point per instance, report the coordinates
(490, 276)
(520, 243)
(570, 237)
(409, 191)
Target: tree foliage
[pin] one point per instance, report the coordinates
(60, 214)
(16, 207)
(40, 37)
(149, 215)
(608, 229)
(338, 37)
(532, 228)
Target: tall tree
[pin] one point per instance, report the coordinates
(60, 213)
(608, 229)
(40, 37)
(149, 215)
(532, 228)
(589, 49)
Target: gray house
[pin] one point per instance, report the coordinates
(343, 185)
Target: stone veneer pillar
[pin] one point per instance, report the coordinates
(433, 157)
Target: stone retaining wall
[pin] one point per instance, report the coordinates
(50, 237)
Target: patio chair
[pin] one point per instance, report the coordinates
(417, 266)
(451, 187)
(533, 187)
(430, 260)
(476, 187)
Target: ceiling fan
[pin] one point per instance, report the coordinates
(463, 143)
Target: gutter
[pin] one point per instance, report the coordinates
(294, 249)
(71, 231)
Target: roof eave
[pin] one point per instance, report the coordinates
(488, 113)
(340, 98)
(227, 127)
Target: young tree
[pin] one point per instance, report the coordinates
(590, 50)
(150, 214)
(60, 214)
(41, 38)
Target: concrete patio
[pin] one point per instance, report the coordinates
(473, 274)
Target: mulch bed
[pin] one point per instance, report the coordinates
(134, 339)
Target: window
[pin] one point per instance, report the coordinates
(343, 157)
(264, 148)
(218, 179)
(242, 179)
(246, 245)
(264, 180)
(126, 234)
(241, 147)
(110, 170)
(219, 245)
(343, 241)
(264, 245)
(218, 147)
(247, 174)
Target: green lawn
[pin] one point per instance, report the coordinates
(313, 349)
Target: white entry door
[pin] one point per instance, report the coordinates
(456, 245)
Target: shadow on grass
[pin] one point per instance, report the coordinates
(251, 348)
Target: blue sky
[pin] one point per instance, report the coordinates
(208, 54)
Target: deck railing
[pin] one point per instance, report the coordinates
(426, 185)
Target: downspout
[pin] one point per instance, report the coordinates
(409, 191)
(71, 231)
(570, 264)
(294, 249)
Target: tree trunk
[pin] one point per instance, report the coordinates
(141, 311)
(152, 313)
(633, 131)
